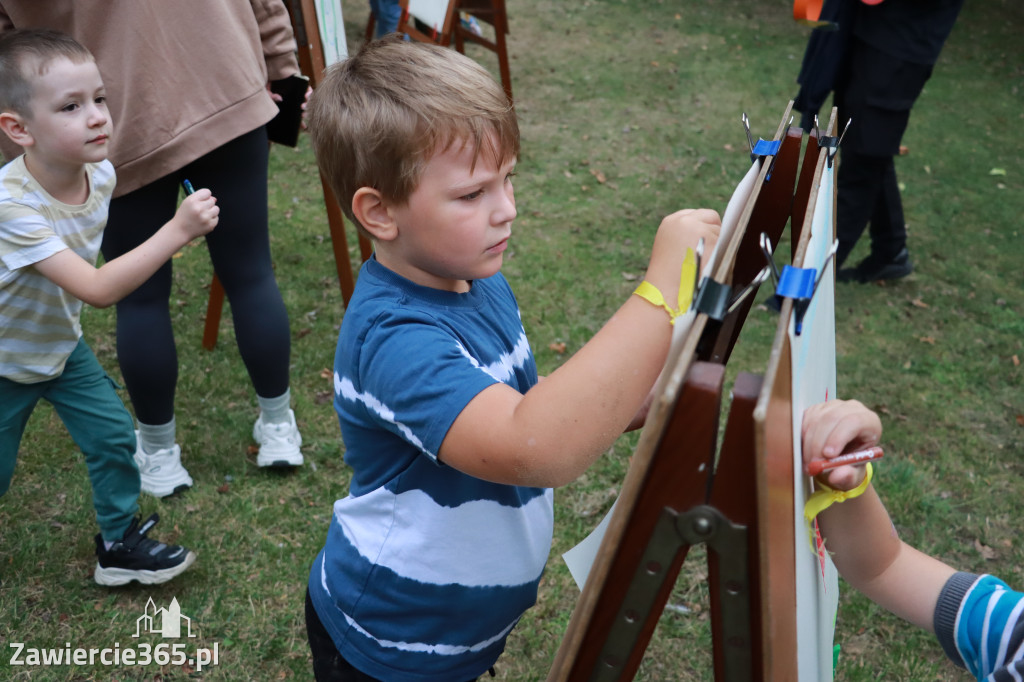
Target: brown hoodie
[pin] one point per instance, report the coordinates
(183, 77)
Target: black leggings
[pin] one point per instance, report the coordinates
(239, 248)
(328, 663)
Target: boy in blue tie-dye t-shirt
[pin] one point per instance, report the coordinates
(454, 445)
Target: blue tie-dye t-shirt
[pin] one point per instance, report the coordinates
(425, 569)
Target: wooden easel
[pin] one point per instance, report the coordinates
(312, 65)
(675, 496)
(490, 12)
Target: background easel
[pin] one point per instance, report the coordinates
(449, 29)
(311, 64)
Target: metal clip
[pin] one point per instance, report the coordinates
(824, 265)
(769, 256)
(832, 143)
(712, 299)
(750, 139)
(759, 279)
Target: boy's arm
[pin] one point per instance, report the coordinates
(103, 286)
(550, 435)
(858, 532)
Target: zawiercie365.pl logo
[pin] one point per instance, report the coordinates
(169, 623)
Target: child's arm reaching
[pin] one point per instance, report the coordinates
(978, 619)
(858, 532)
(103, 286)
(550, 435)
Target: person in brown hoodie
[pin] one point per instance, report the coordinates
(188, 90)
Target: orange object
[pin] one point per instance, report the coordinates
(807, 11)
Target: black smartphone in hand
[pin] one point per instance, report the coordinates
(284, 128)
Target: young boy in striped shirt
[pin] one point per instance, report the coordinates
(53, 208)
(976, 618)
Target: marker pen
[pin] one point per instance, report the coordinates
(816, 466)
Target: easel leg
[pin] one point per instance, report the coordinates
(340, 244)
(214, 308)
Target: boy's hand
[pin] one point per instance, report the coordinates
(678, 232)
(198, 213)
(834, 428)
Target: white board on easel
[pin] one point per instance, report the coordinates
(430, 12)
(813, 363)
(332, 31)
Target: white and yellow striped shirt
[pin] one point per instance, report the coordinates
(39, 321)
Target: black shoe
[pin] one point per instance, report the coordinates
(873, 269)
(137, 557)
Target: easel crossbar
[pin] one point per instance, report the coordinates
(675, 532)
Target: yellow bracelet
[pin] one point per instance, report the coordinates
(651, 294)
(825, 497)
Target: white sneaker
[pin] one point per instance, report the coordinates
(279, 443)
(161, 472)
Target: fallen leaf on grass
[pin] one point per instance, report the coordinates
(557, 346)
(326, 373)
(927, 339)
(1020, 420)
(598, 175)
(1016, 361)
(252, 450)
(985, 551)
(997, 171)
(223, 488)
(629, 276)
(919, 303)
(323, 397)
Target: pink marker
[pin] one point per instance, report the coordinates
(816, 466)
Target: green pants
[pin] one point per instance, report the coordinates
(85, 399)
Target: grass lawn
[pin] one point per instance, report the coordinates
(629, 111)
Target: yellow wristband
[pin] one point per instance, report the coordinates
(825, 497)
(651, 294)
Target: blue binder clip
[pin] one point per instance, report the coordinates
(762, 148)
(800, 284)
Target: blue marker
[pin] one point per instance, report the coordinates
(188, 186)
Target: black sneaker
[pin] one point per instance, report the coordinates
(137, 557)
(873, 269)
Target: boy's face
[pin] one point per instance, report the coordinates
(457, 222)
(69, 123)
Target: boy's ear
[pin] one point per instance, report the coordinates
(369, 209)
(13, 126)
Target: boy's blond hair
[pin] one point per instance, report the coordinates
(378, 117)
(24, 56)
